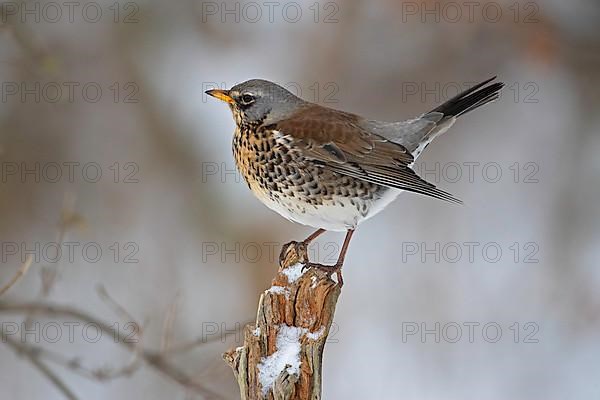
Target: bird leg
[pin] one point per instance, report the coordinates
(313, 236)
(337, 267)
(300, 247)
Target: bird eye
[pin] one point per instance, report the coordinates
(247, 98)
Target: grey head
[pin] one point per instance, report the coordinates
(258, 102)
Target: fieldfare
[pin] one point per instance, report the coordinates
(330, 169)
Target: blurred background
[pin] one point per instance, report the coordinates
(118, 181)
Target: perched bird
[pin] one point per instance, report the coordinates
(330, 169)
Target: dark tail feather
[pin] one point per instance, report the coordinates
(470, 99)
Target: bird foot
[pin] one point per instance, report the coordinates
(300, 250)
(329, 270)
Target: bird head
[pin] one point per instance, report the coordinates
(258, 102)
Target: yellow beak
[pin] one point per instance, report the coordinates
(222, 95)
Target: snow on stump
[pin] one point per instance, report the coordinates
(282, 354)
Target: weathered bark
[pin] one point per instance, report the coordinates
(301, 309)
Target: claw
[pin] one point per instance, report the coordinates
(329, 270)
(301, 249)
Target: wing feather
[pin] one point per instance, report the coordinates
(336, 140)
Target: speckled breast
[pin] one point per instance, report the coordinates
(298, 189)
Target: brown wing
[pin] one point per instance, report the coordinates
(335, 140)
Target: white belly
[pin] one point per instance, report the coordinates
(338, 215)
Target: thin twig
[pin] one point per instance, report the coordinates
(134, 363)
(187, 346)
(34, 357)
(22, 271)
(119, 309)
(68, 220)
(153, 359)
(49, 274)
(75, 365)
(168, 324)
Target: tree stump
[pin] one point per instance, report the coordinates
(282, 354)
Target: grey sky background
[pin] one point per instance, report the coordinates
(174, 223)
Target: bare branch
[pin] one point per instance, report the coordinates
(34, 357)
(134, 363)
(119, 310)
(187, 346)
(69, 220)
(151, 358)
(168, 325)
(21, 271)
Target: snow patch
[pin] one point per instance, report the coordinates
(286, 357)
(278, 290)
(316, 335)
(294, 272)
(313, 279)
